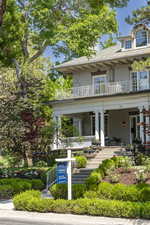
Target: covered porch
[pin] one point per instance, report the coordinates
(109, 127)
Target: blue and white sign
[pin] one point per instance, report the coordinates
(61, 173)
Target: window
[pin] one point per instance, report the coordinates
(99, 83)
(141, 38)
(128, 44)
(140, 80)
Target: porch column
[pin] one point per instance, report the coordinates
(147, 121)
(97, 137)
(80, 127)
(102, 128)
(57, 127)
(141, 127)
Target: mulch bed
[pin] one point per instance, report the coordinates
(127, 178)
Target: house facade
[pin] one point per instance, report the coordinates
(108, 98)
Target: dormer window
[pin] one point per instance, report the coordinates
(128, 44)
(141, 38)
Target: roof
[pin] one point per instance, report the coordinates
(105, 55)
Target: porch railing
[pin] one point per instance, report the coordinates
(109, 88)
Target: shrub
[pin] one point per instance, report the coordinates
(81, 161)
(107, 166)
(60, 191)
(31, 201)
(93, 180)
(114, 178)
(20, 185)
(6, 191)
(26, 173)
(141, 176)
(20, 201)
(37, 184)
(104, 190)
(90, 194)
(145, 194)
(40, 163)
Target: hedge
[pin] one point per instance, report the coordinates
(31, 201)
(60, 191)
(11, 186)
(133, 193)
(25, 173)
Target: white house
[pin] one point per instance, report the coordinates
(108, 98)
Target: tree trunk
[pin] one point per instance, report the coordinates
(2, 10)
(29, 160)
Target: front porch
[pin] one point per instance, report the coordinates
(105, 128)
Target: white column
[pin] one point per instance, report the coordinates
(57, 129)
(97, 137)
(69, 175)
(141, 127)
(147, 122)
(102, 128)
(80, 127)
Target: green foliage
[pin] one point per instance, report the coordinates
(90, 194)
(40, 164)
(93, 180)
(6, 191)
(60, 191)
(31, 201)
(145, 194)
(28, 173)
(15, 186)
(114, 178)
(141, 176)
(81, 161)
(140, 16)
(133, 193)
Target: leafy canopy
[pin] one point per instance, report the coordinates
(29, 26)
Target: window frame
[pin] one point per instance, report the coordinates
(137, 85)
(141, 30)
(96, 76)
(125, 42)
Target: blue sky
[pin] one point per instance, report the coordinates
(122, 13)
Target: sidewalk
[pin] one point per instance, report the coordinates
(7, 212)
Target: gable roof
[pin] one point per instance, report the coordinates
(105, 55)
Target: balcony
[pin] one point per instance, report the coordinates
(109, 88)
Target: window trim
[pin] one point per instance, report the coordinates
(136, 40)
(138, 80)
(126, 42)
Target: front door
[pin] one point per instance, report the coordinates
(134, 129)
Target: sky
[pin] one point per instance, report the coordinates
(122, 13)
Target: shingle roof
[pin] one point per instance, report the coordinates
(110, 54)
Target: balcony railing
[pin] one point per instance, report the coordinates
(110, 88)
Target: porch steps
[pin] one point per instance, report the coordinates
(106, 153)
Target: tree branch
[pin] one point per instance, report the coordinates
(17, 67)
(39, 52)
(2, 10)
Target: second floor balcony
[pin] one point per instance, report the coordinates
(109, 88)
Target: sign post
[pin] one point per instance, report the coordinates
(69, 172)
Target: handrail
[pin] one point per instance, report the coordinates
(50, 177)
(109, 88)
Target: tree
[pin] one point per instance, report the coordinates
(141, 15)
(2, 10)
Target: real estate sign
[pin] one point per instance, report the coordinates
(61, 173)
